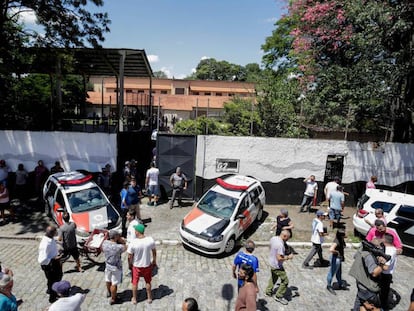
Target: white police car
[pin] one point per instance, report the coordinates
(222, 214)
(81, 197)
(398, 212)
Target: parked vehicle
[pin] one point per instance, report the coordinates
(86, 203)
(222, 214)
(398, 211)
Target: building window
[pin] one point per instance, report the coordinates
(231, 94)
(129, 91)
(141, 92)
(219, 94)
(179, 91)
(207, 93)
(195, 93)
(164, 92)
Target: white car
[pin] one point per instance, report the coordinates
(222, 214)
(81, 197)
(398, 211)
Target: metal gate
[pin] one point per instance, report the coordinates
(172, 151)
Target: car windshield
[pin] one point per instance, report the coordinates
(217, 204)
(86, 200)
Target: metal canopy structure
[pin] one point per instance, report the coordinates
(94, 62)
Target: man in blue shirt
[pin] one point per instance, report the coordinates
(248, 258)
(337, 204)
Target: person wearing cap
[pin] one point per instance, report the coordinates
(311, 191)
(113, 249)
(140, 261)
(246, 257)
(178, 183)
(49, 260)
(317, 239)
(8, 301)
(66, 302)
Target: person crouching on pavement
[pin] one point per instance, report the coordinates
(139, 260)
(246, 299)
(113, 249)
(66, 301)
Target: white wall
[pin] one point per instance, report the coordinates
(276, 159)
(88, 151)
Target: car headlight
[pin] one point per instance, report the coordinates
(216, 238)
(82, 233)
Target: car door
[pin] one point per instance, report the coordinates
(244, 214)
(59, 207)
(403, 223)
(49, 196)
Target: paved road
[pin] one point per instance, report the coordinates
(182, 273)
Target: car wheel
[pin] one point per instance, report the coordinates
(230, 245)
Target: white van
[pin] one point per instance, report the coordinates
(398, 211)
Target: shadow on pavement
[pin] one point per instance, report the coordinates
(157, 293)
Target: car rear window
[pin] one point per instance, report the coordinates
(386, 206)
(406, 211)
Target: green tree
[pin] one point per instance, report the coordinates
(201, 126)
(160, 74)
(67, 24)
(242, 117)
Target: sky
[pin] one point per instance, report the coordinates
(177, 34)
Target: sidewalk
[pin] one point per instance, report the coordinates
(163, 224)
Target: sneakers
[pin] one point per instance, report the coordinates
(281, 300)
(307, 267)
(330, 289)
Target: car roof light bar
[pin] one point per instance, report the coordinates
(228, 186)
(73, 182)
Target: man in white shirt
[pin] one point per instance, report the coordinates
(331, 186)
(139, 260)
(151, 184)
(317, 239)
(311, 191)
(49, 260)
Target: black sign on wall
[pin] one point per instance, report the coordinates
(227, 165)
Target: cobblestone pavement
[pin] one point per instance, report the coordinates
(183, 273)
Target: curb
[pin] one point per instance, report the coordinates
(178, 242)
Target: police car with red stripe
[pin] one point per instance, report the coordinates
(222, 214)
(87, 205)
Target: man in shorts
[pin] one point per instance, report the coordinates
(140, 261)
(67, 235)
(151, 184)
(113, 248)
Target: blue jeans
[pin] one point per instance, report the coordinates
(335, 269)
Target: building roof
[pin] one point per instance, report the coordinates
(91, 62)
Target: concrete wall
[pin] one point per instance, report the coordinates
(87, 151)
(281, 164)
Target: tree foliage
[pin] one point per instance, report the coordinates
(353, 62)
(64, 24)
